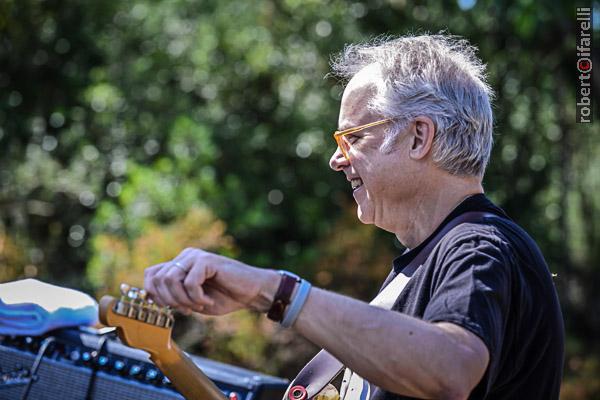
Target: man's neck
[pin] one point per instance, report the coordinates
(430, 208)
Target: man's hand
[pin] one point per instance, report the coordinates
(205, 282)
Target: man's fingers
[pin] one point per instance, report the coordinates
(161, 281)
(173, 282)
(180, 283)
(149, 284)
(163, 297)
(193, 283)
(169, 287)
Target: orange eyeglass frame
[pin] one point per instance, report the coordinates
(344, 145)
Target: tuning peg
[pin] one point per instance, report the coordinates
(122, 307)
(169, 321)
(124, 289)
(152, 315)
(133, 293)
(143, 294)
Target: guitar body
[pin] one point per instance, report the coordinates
(143, 325)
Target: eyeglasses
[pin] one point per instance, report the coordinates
(344, 145)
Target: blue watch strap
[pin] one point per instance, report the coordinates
(291, 314)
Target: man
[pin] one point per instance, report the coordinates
(479, 318)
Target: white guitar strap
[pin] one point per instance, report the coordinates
(354, 387)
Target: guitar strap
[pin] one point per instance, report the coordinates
(324, 367)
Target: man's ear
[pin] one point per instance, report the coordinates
(423, 132)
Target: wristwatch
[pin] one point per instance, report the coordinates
(283, 295)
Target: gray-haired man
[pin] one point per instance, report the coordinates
(479, 318)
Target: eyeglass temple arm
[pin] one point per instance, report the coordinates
(359, 128)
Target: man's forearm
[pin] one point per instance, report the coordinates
(399, 353)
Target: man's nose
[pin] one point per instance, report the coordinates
(337, 161)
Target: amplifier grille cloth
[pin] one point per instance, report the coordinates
(58, 380)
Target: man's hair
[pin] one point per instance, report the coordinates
(438, 76)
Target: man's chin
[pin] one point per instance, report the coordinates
(363, 217)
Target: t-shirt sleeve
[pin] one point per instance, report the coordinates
(472, 290)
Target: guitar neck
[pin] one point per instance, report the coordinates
(140, 324)
(187, 378)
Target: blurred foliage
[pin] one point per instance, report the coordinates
(116, 259)
(352, 258)
(585, 385)
(130, 130)
(12, 260)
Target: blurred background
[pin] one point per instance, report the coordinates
(132, 129)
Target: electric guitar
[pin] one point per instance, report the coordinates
(142, 324)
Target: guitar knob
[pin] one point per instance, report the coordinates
(330, 392)
(234, 396)
(102, 361)
(86, 356)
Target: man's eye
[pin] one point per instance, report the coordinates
(351, 138)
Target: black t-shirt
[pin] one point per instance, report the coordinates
(491, 279)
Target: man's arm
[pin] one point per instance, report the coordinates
(396, 352)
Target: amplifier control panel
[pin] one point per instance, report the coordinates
(94, 364)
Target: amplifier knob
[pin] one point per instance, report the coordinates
(119, 366)
(102, 361)
(31, 344)
(75, 355)
(151, 374)
(135, 370)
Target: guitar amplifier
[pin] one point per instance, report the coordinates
(82, 364)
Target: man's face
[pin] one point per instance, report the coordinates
(377, 179)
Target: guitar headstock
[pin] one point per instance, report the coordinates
(140, 322)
